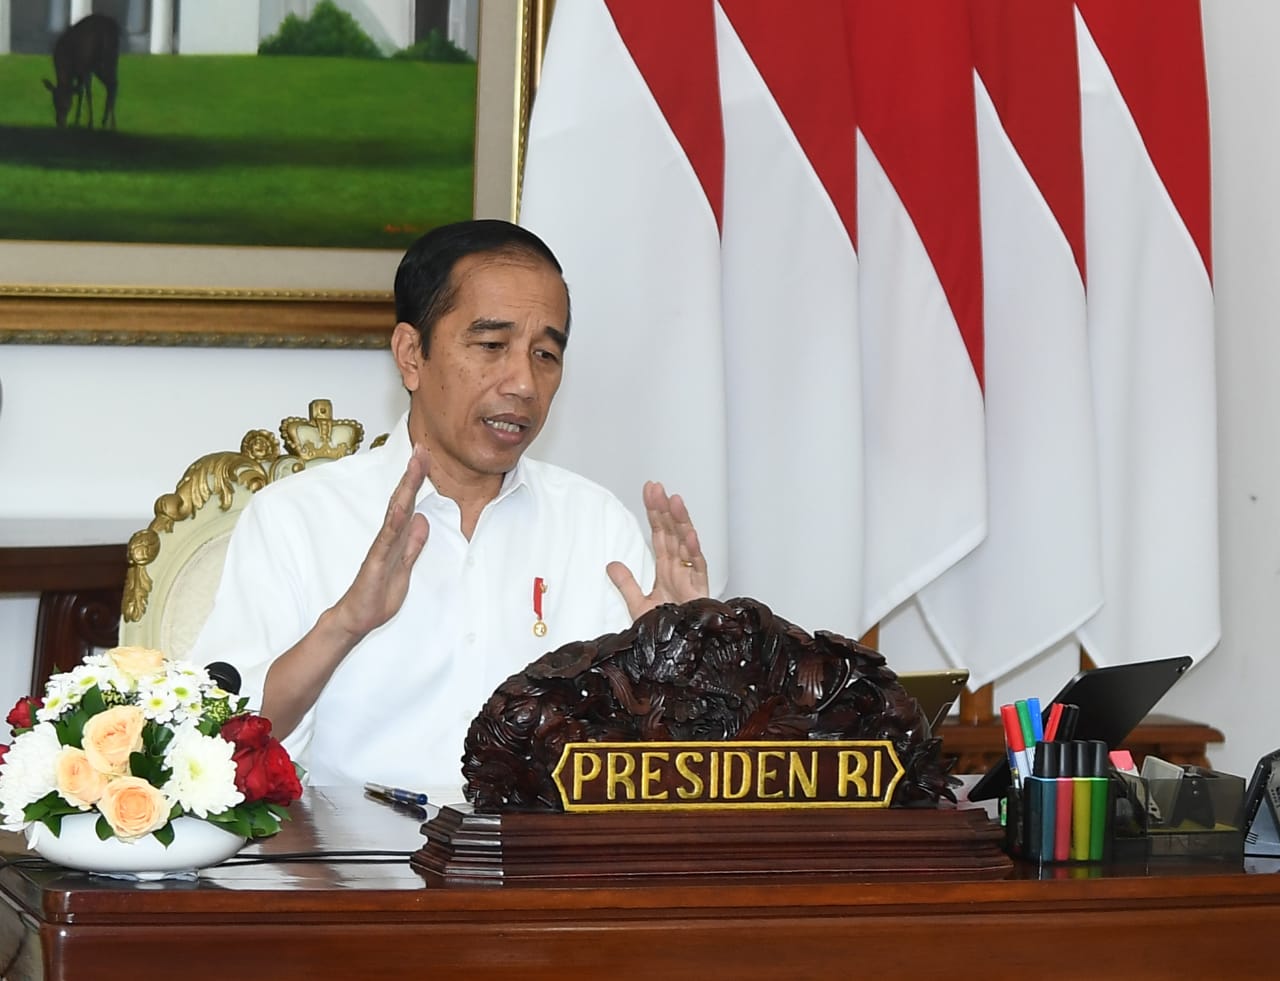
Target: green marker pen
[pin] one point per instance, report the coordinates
(1099, 799)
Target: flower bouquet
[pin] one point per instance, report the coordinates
(142, 741)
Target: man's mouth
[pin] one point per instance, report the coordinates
(505, 426)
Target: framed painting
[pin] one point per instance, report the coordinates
(173, 287)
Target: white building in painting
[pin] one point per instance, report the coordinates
(232, 26)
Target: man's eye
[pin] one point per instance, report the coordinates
(551, 356)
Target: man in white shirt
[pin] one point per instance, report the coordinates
(371, 660)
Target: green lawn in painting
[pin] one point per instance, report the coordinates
(242, 150)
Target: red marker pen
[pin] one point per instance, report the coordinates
(1014, 743)
(1062, 809)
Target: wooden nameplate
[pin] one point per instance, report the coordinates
(552, 848)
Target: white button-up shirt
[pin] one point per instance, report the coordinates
(397, 709)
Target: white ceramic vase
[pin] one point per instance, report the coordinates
(196, 845)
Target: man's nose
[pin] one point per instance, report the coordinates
(518, 376)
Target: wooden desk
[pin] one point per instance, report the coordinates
(77, 567)
(341, 919)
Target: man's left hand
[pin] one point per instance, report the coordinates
(680, 567)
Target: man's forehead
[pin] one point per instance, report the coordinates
(468, 270)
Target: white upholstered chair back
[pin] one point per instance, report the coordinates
(175, 563)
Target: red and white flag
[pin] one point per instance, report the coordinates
(919, 293)
(792, 349)
(1037, 576)
(1145, 115)
(623, 180)
(850, 281)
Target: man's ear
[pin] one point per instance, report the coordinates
(406, 348)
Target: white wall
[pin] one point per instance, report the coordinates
(100, 432)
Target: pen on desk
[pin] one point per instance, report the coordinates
(412, 810)
(397, 794)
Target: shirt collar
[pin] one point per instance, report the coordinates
(399, 447)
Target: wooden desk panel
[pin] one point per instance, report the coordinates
(339, 919)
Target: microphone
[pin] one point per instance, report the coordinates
(225, 676)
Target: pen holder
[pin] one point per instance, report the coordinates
(1069, 820)
(1187, 812)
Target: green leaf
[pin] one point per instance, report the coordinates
(233, 821)
(91, 702)
(149, 768)
(70, 727)
(103, 828)
(165, 835)
(51, 804)
(156, 738)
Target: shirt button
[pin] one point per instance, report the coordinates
(471, 561)
(470, 638)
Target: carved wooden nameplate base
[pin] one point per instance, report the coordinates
(549, 848)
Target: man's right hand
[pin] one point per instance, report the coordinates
(298, 676)
(379, 589)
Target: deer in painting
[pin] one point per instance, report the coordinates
(88, 47)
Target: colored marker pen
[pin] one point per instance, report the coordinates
(1081, 802)
(1043, 797)
(1037, 720)
(1028, 737)
(1067, 727)
(1014, 743)
(1100, 801)
(1062, 807)
(1055, 718)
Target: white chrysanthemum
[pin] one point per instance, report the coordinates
(204, 776)
(157, 703)
(56, 701)
(83, 677)
(28, 772)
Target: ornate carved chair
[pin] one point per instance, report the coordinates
(175, 563)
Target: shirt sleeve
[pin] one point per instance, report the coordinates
(259, 610)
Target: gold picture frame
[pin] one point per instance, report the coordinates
(269, 297)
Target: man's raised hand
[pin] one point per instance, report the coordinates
(382, 583)
(680, 567)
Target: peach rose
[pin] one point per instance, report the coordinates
(137, 662)
(133, 807)
(110, 736)
(78, 782)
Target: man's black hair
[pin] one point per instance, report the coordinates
(425, 290)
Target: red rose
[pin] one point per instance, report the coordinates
(267, 774)
(264, 770)
(252, 731)
(23, 714)
(4, 751)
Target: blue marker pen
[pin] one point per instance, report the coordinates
(1037, 719)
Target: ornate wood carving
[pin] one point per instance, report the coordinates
(704, 670)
